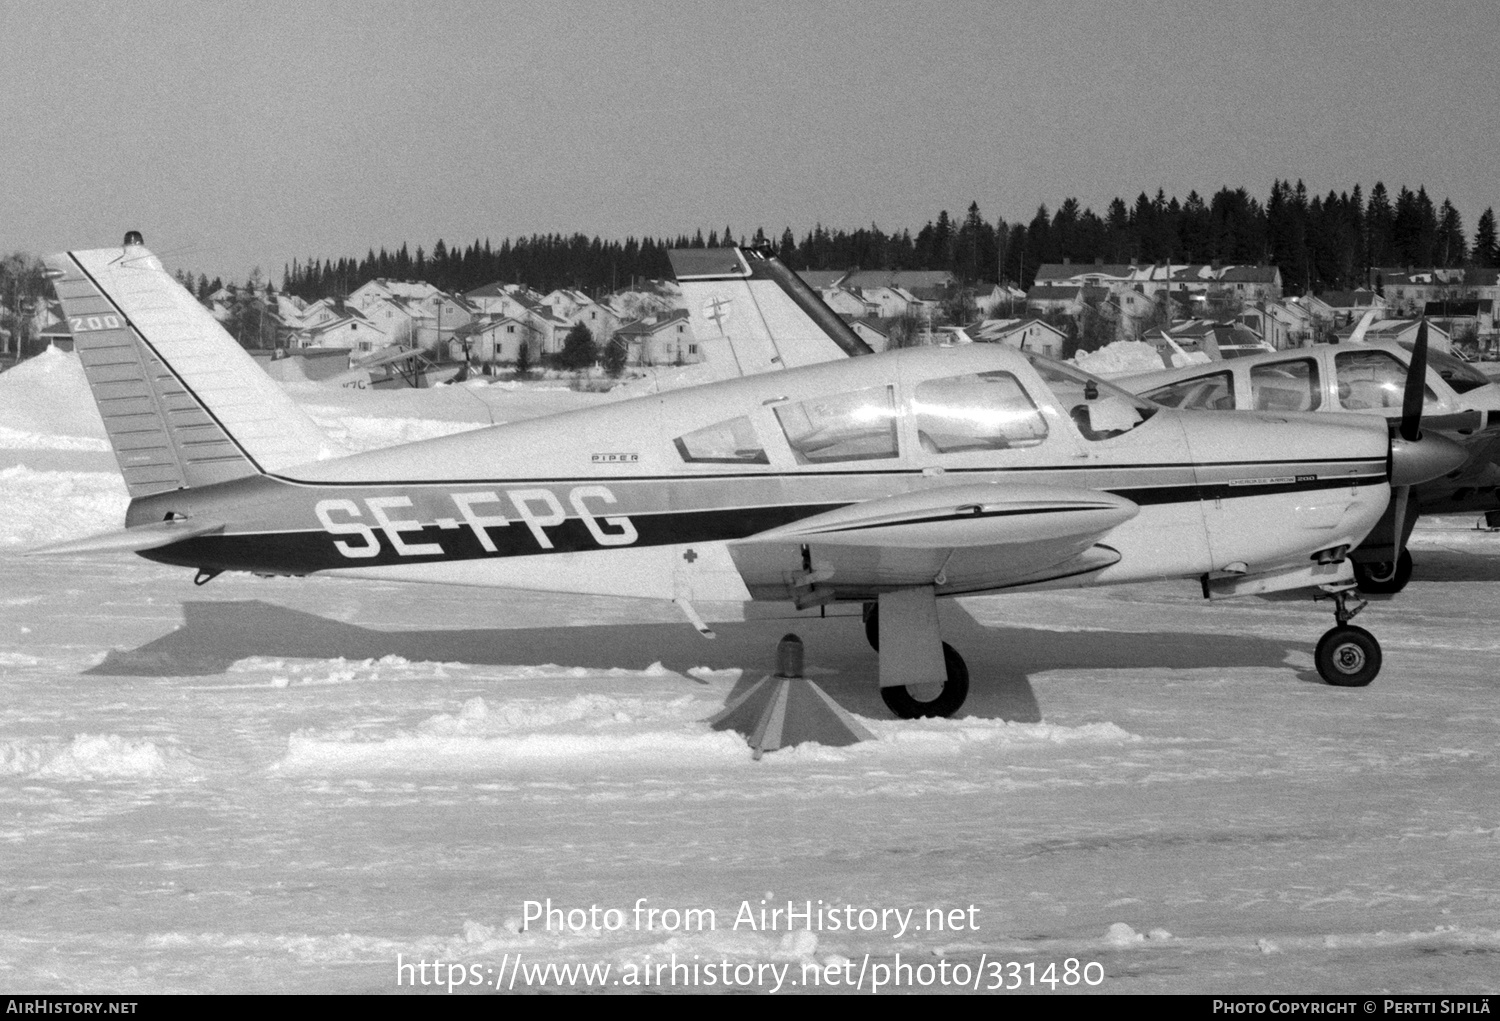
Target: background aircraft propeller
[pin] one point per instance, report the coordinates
(1414, 459)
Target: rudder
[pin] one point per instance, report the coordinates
(183, 404)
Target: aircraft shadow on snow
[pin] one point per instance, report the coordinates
(1435, 562)
(215, 634)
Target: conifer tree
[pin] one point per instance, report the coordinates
(579, 350)
(1486, 245)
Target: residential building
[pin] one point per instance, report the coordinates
(492, 341)
(1024, 334)
(874, 331)
(663, 339)
(847, 302)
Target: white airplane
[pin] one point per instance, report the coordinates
(1364, 378)
(889, 480)
(397, 368)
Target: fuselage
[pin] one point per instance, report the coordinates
(1364, 379)
(656, 496)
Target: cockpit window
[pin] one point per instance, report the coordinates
(1204, 393)
(979, 411)
(1286, 386)
(1371, 380)
(1458, 374)
(1100, 410)
(731, 442)
(856, 426)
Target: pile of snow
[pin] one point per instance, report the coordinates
(90, 756)
(359, 433)
(1122, 358)
(666, 378)
(636, 730)
(47, 396)
(41, 507)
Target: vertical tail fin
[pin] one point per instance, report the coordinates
(183, 404)
(766, 314)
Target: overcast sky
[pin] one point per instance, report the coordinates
(243, 136)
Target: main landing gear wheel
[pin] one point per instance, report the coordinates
(1348, 656)
(1384, 578)
(915, 701)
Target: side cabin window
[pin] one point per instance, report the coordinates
(855, 426)
(731, 442)
(980, 411)
(1203, 393)
(1286, 386)
(1371, 380)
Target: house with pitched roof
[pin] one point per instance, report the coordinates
(338, 326)
(491, 341)
(1023, 334)
(1223, 285)
(1407, 291)
(873, 330)
(1468, 320)
(890, 302)
(926, 284)
(1280, 324)
(660, 339)
(847, 302)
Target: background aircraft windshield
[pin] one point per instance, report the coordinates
(1458, 374)
(1100, 410)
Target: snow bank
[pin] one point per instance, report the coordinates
(663, 379)
(90, 756)
(17, 439)
(39, 507)
(587, 729)
(49, 395)
(1121, 358)
(366, 432)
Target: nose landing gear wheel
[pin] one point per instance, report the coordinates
(1348, 656)
(915, 701)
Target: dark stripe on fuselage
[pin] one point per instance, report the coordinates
(1045, 469)
(306, 551)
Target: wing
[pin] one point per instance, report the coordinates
(959, 538)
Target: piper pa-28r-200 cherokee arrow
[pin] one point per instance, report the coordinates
(891, 480)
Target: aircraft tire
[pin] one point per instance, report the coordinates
(901, 702)
(1348, 656)
(1368, 576)
(872, 625)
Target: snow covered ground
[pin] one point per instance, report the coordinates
(278, 785)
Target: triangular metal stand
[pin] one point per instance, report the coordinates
(781, 711)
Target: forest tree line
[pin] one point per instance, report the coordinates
(1319, 242)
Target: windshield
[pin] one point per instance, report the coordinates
(1100, 410)
(1460, 375)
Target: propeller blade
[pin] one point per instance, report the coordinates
(1416, 387)
(1399, 497)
